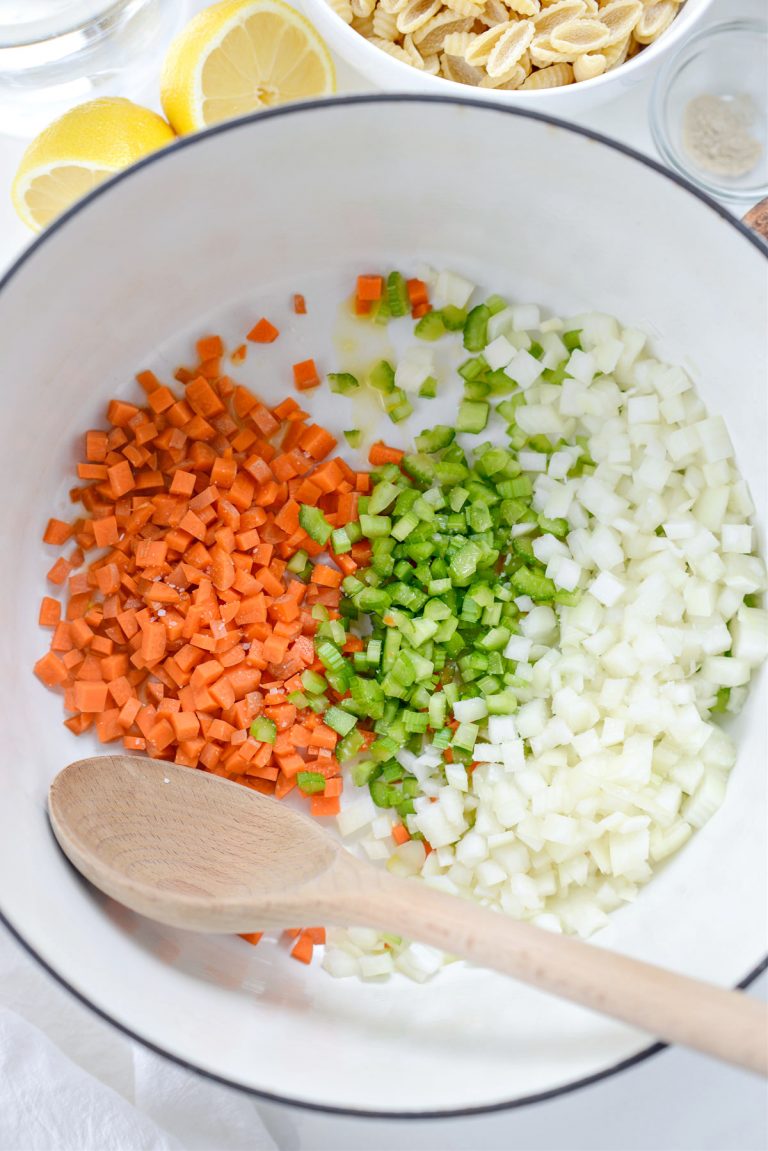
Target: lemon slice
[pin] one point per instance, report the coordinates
(240, 56)
(78, 151)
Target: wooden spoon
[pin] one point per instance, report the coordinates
(195, 851)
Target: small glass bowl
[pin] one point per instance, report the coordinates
(729, 63)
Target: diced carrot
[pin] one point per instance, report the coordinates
(209, 347)
(322, 806)
(380, 453)
(57, 532)
(302, 949)
(369, 288)
(305, 375)
(400, 833)
(96, 446)
(263, 332)
(50, 612)
(299, 305)
(253, 937)
(317, 442)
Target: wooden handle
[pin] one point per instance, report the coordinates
(757, 219)
(669, 1006)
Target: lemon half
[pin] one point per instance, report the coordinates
(81, 149)
(240, 56)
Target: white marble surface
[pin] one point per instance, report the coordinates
(676, 1101)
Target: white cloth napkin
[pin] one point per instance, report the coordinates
(107, 1093)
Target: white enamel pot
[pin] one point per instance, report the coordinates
(208, 235)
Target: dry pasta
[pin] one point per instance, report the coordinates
(524, 45)
(588, 66)
(510, 48)
(495, 12)
(343, 10)
(384, 24)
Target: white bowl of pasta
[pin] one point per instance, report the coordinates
(549, 56)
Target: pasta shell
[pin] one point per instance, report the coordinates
(393, 6)
(481, 47)
(455, 68)
(430, 37)
(524, 7)
(457, 43)
(543, 54)
(558, 13)
(363, 25)
(414, 55)
(509, 48)
(384, 24)
(343, 9)
(620, 17)
(588, 66)
(494, 12)
(578, 36)
(553, 77)
(615, 54)
(391, 49)
(654, 20)
(507, 82)
(417, 13)
(362, 7)
(465, 7)
(431, 65)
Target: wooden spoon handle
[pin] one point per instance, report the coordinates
(673, 1007)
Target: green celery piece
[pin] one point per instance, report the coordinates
(502, 703)
(344, 383)
(313, 682)
(297, 562)
(496, 304)
(354, 437)
(430, 327)
(435, 439)
(428, 389)
(375, 526)
(350, 745)
(721, 701)
(264, 730)
(310, 782)
(526, 581)
(496, 638)
(384, 794)
(523, 547)
(314, 523)
(453, 318)
(555, 375)
(476, 328)
(400, 411)
(557, 527)
(473, 369)
(437, 710)
(472, 416)
(363, 771)
(397, 294)
(465, 736)
(476, 389)
(572, 339)
(383, 496)
(568, 598)
(338, 719)
(382, 377)
(340, 541)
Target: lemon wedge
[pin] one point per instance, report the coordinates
(78, 151)
(240, 56)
